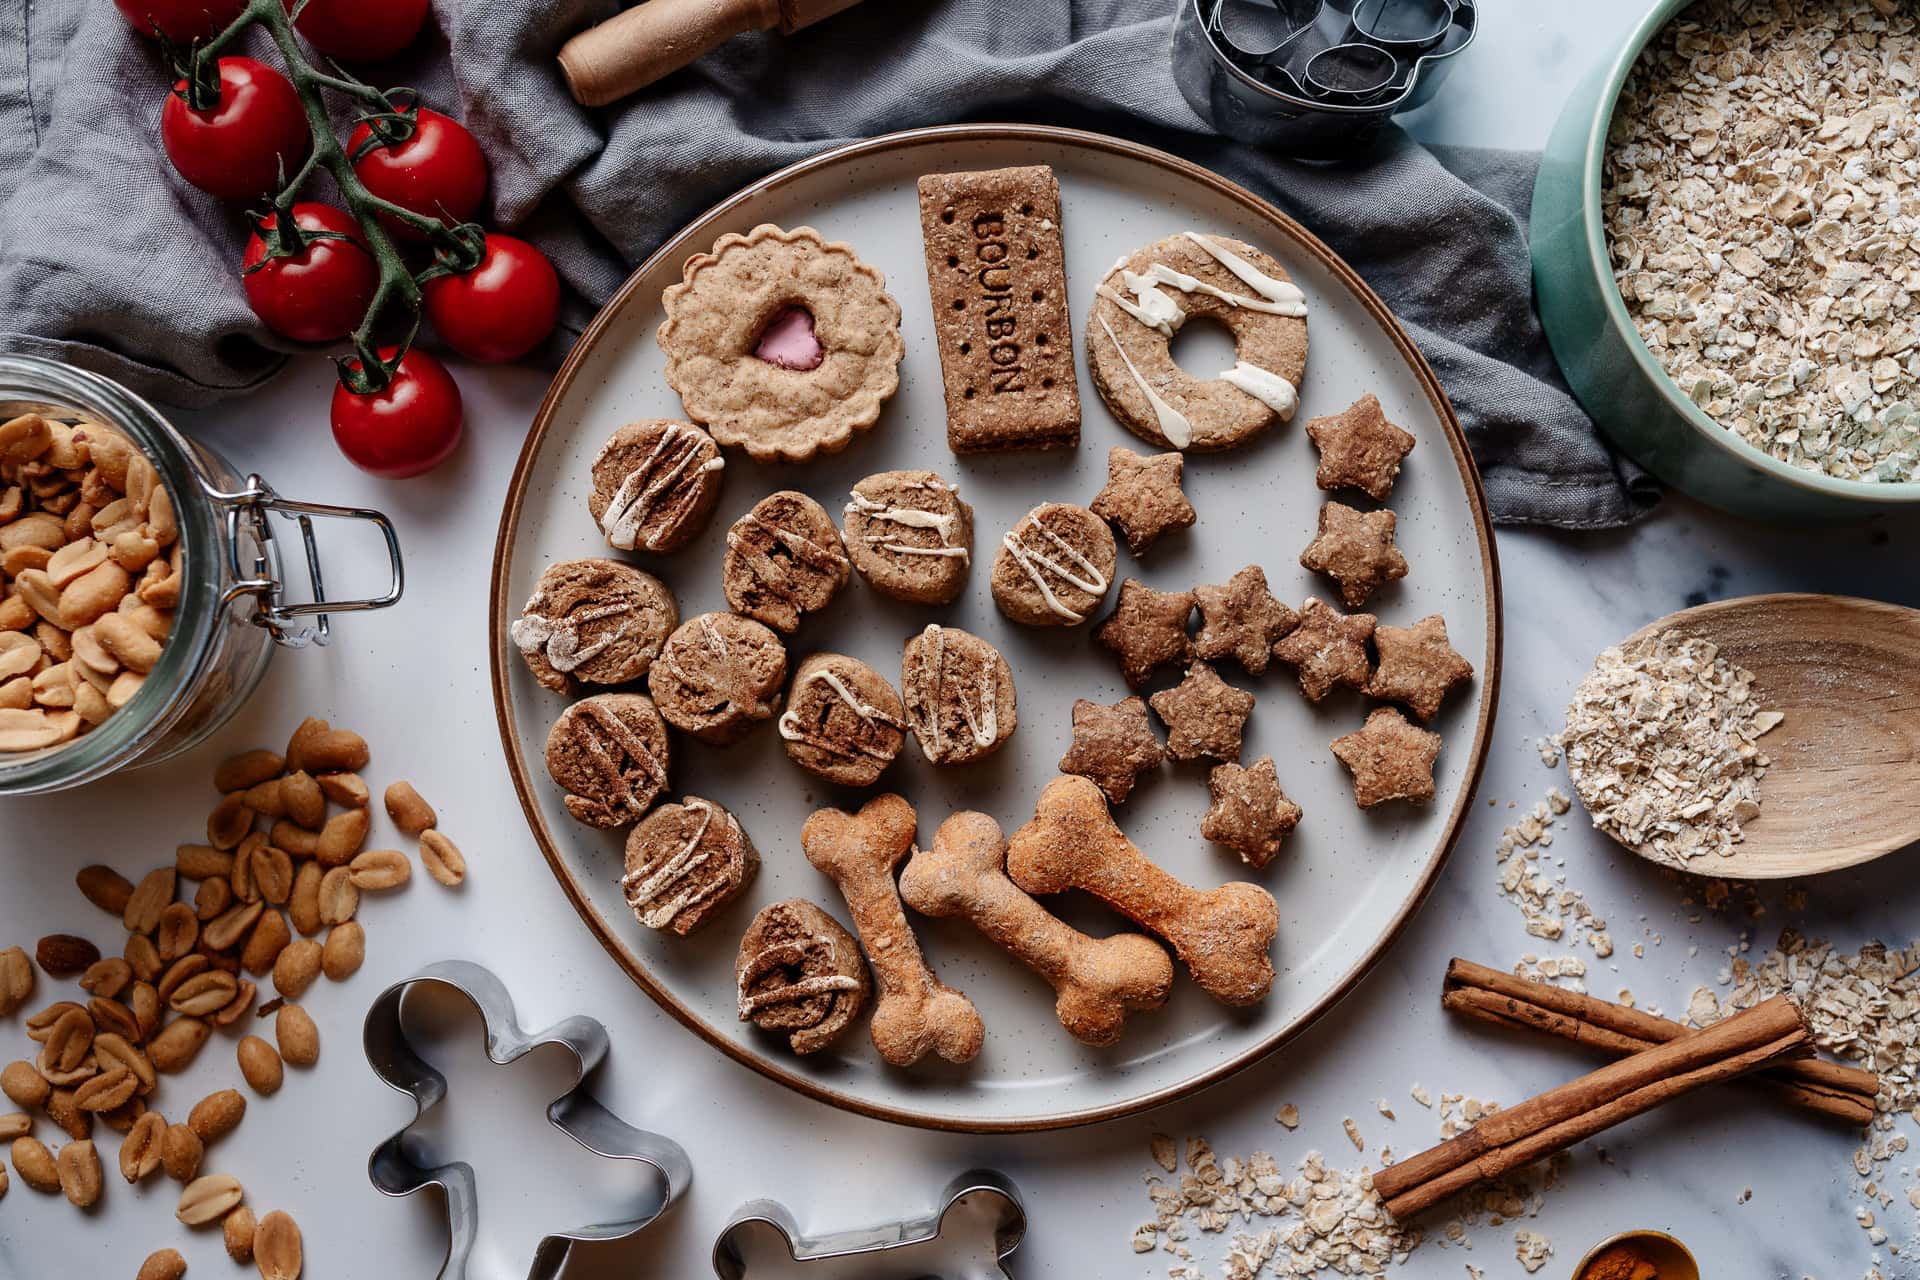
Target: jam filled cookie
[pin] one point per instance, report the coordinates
(1054, 567)
(800, 974)
(655, 484)
(958, 692)
(718, 676)
(684, 862)
(843, 723)
(781, 343)
(1145, 300)
(784, 558)
(593, 622)
(910, 536)
(609, 754)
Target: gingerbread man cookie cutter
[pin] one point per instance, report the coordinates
(395, 1168)
(978, 1223)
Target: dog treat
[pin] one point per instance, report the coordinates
(1147, 629)
(1143, 498)
(1359, 448)
(1222, 935)
(784, 559)
(1204, 715)
(655, 484)
(1144, 301)
(684, 862)
(609, 754)
(1355, 549)
(916, 1013)
(593, 622)
(1328, 649)
(1418, 667)
(958, 693)
(998, 277)
(1054, 566)
(781, 343)
(800, 974)
(718, 676)
(910, 536)
(1241, 620)
(1390, 759)
(1250, 813)
(1098, 981)
(1112, 746)
(843, 722)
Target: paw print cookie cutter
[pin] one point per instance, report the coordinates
(977, 1224)
(397, 1169)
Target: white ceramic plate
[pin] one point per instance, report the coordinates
(1346, 881)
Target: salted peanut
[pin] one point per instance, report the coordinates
(110, 1017)
(124, 686)
(238, 772)
(142, 957)
(24, 438)
(17, 694)
(240, 878)
(236, 1008)
(40, 1025)
(80, 556)
(260, 1065)
(116, 1053)
(149, 898)
(217, 1115)
(296, 968)
(16, 981)
(107, 977)
(305, 803)
(237, 1231)
(268, 799)
(27, 730)
(317, 747)
(126, 640)
(348, 790)
(269, 938)
(409, 812)
(90, 656)
(272, 872)
(339, 896)
(37, 589)
(15, 1124)
(104, 887)
(442, 858)
(106, 1091)
(174, 1047)
(64, 1113)
(211, 898)
(15, 614)
(20, 654)
(379, 869)
(298, 1037)
(294, 838)
(162, 1264)
(90, 704)
(342, 837)
(140, 1149)
(92, 596)
(204, 994)
(133, 550)
(123, 1117)
(187, 966)
(157, 623)
(34, 1163)
(67, 1044)
(64, 955)
(181, 1152)
(209, 1199)
(160, 582)
(79, 1170)
(276, 1247)
(178, 933)
(144, 1001)
(53, 687)
(231, 925)
(344, 952)
(303, 905)
(23, 1085)
(202, 862)
(161, 519)
(230, 822)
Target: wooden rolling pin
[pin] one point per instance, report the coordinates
(658, 37)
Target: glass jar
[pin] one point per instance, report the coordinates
(233, 610)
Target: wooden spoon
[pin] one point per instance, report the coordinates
(1844, 787)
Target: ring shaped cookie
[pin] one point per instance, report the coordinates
(721, 310)
(1145, 300)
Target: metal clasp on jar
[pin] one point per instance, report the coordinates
(250, 537)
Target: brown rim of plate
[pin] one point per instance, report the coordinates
(1302, 240)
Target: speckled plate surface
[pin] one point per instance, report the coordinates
(1347, 882)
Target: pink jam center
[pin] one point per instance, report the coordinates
(789, 341)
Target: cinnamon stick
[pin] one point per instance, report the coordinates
(1489, 995)
(1770, 1032)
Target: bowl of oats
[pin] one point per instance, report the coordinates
(1727, 252)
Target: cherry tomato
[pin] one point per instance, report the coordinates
(438, 172)
(406, 429)
(238, 148)
(359, 30)
(320, 293)
(503, 308)
(181, 21)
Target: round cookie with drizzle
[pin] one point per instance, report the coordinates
(718, 676)
(800, 974)
(784, 559)
(843, 723)
(1146, 299)
(909, 535)
(609, 754)
(593, 621)
(958, 692)
(684, 862)
(655, 484)
(1054, 567)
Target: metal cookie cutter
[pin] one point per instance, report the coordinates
(978, 1223)
(395, 1170)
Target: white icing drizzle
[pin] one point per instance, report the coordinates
(983, 721)
(1173, 424)
(793, 731)
(788, 955)
(1287, 297)
(1266, 386)
(672, 873)
(944, 526)
(558, 639)
(1148, 305)
(634, 501)
(1093, 583)
(805, 550)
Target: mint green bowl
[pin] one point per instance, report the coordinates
(1614, 376)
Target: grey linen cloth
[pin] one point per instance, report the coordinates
(109, 260)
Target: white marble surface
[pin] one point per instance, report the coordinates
(415, 681)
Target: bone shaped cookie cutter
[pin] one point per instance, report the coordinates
(1098, 980)
(395, 1169)
(978, 1224)
(1223, 935)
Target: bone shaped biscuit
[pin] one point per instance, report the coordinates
(1099, 980)
(916, 1012)
(1223, 935)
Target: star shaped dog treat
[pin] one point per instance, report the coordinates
(1390, 759)
(1204, 715)
(1147, 629)
(1112, 746)
(1359, 449)
(1417, 666)
(1327, 649)
(1241, 620)
(1143, 498)
(1250, 813)
(1355, 549)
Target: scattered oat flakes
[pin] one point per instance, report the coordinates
(1353, 1134)
(1163, 1153)
(1288, 1115)
(1532, 1249)
(1422, 1095)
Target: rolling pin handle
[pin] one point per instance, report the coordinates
(630, 51)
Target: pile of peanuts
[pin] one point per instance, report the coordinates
(89, 577)
(184, 973)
